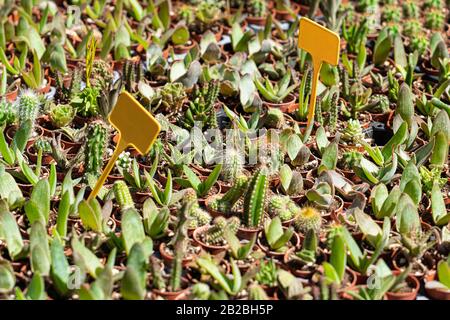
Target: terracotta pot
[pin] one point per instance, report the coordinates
(32, 156)
(169, 295)
(245, 233)
(294, 241)
(169, 258)
(182, 49)
(257, 21)
(435, 293)
(288, 105)
(38, 133)
(284, 15)
(210, 248)
(413, 283)
(212, 212)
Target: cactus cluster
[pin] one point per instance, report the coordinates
(169, 99)
(227, 202)
(274, 119)
(95, 147)
(197, 216)
(202, 108)
(132, 73)
(101, 75)
(255, 199)
(233, 165)
(282, 206)
(435, 19)
(123, 195)
(308, 218)
(7, 113)
(215, 233)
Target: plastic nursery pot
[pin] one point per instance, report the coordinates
(294, 242)
(197, 235)
(168, 258)
(288, 105)
(413, 285)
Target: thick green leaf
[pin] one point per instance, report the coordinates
(10, 231)
(85, 259)
(132, 229)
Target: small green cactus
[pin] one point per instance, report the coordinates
(226, 202)
(435, 19)
(95, 148)
(378, 103)
(43, 144)
(254, 200)
(101, 75)
(308, 218)
(123, 195)
(215, 234)
(197, 216)
(233, 165)
(28, 109)
(318, 113)
(352, 159)
(274, 118)
(283, 207)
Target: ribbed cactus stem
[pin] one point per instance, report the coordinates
(95, 148)
(28, 106)
(254, 200)
(334, 110)
(232, 165)
(123, 195)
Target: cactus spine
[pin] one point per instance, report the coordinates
(283, 207)
(254, 201)
(123, 195)
(95, 148)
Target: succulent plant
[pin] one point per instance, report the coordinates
(123, 195)
(187, 14)
(101, 75)
(353, 131)
(274, 118)
(411, 9)
(124, 161)
(85, 102)
(7, 112)
(215, 233)
(412, 28)
(227, 202)
(283, 207)
(254, 200)
(352, 158)
(435, 19)
(169, 99)
(197, 216)
(43, 144)
(202, 108)
(233, 165)
(419, 42)
(96, 139)
(29, 103)
(61, 115)
(378, 103)
(308, 218)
